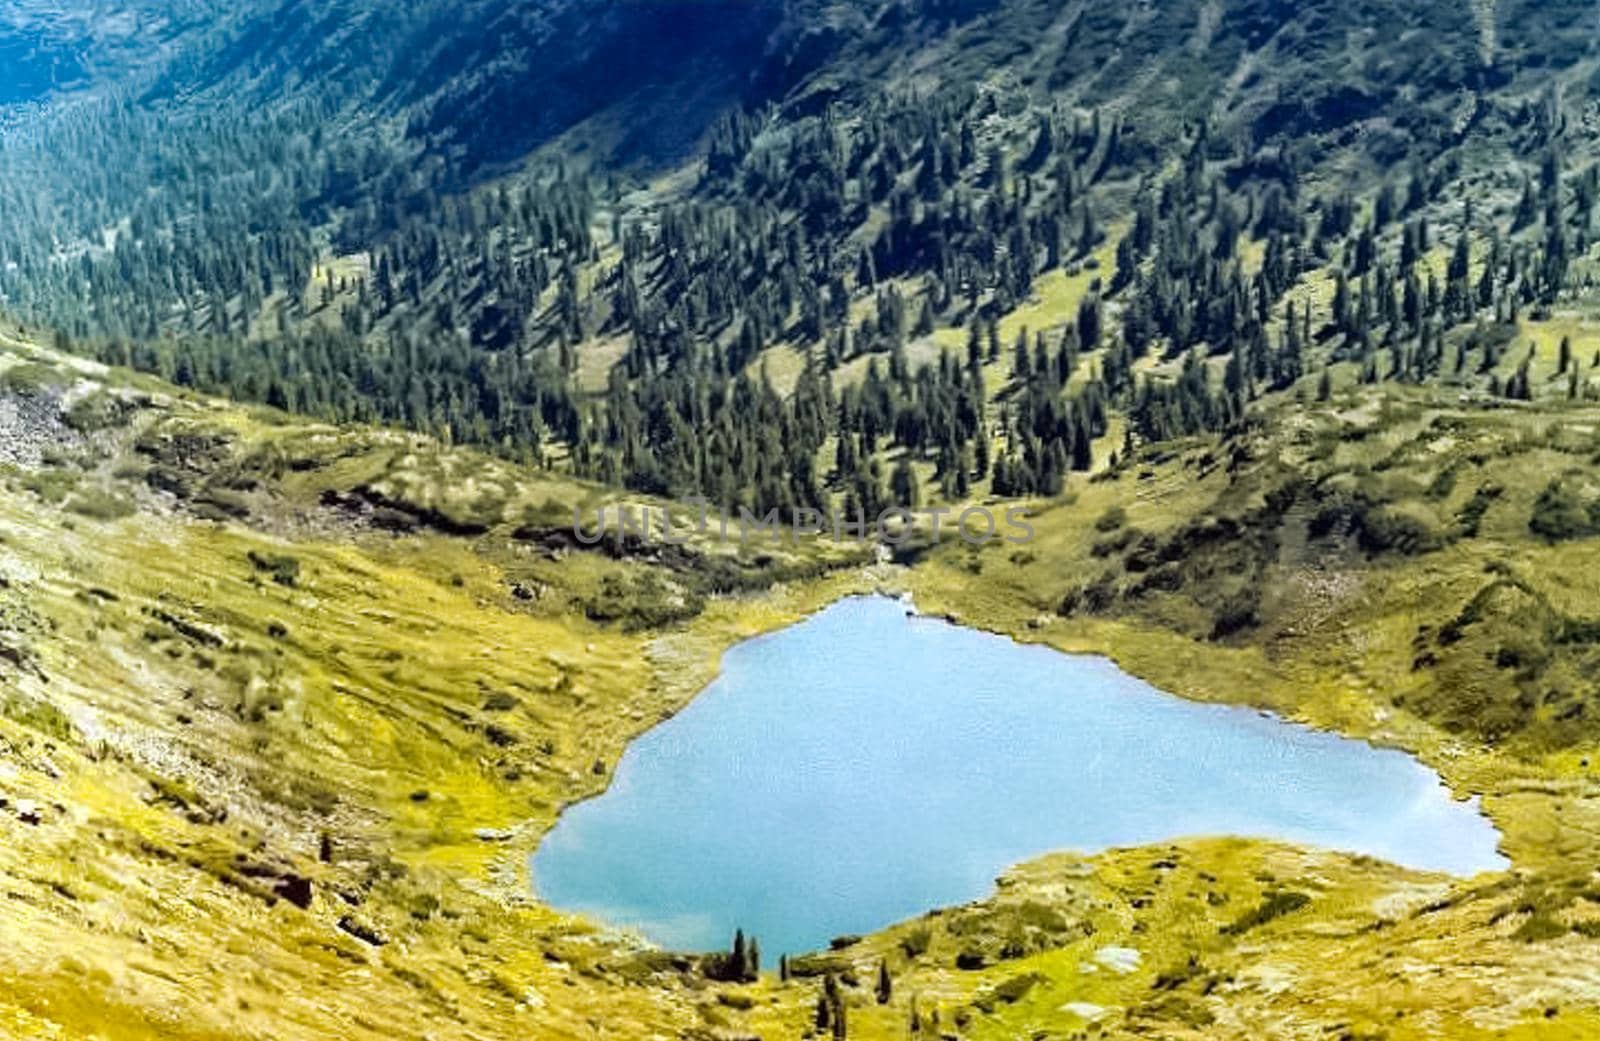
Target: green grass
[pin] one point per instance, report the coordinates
(99, 504)
(218, 697)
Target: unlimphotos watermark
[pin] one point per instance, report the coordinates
(896, 525)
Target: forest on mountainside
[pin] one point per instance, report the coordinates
(340, 245)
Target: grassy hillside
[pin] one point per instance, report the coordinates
(287, 706)
(1280, 318)
(276, 772)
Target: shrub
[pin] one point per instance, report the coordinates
(99, 504)
(915, 943)
(1469, 519)
(1559, 514)
(1017, 987)
(220, 504)
(38, 715)
(970, 960)
(1378, 528)
(97, 411)
(646, 602)
(52, 486)
(1112, 519)
(1114, 544)
(28, 379)
(1276, 905)
(285, 570)
(1386, 530)
(1444, 482)
(1237, 613)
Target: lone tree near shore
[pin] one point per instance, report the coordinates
(741, 964)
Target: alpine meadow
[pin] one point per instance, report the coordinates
(762, 520)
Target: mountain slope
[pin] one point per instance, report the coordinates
(490, 80)
(285, 706)
(313, 232)
(1281, 316)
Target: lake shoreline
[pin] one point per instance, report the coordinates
(1234, 723)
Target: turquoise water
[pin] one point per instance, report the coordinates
(864, 766)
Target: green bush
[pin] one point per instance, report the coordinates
(28, 379)
(52, 486)
(1386, 530)
(220, 504)
(285, 570)
(1469, 519)
(915, 943)
(1276, 905)
(1238, 611)
(1112, 519)
(38, 715)
(97, 411)
(646, 602)
(1559, 513)
(99, 504)
(1378, 528)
